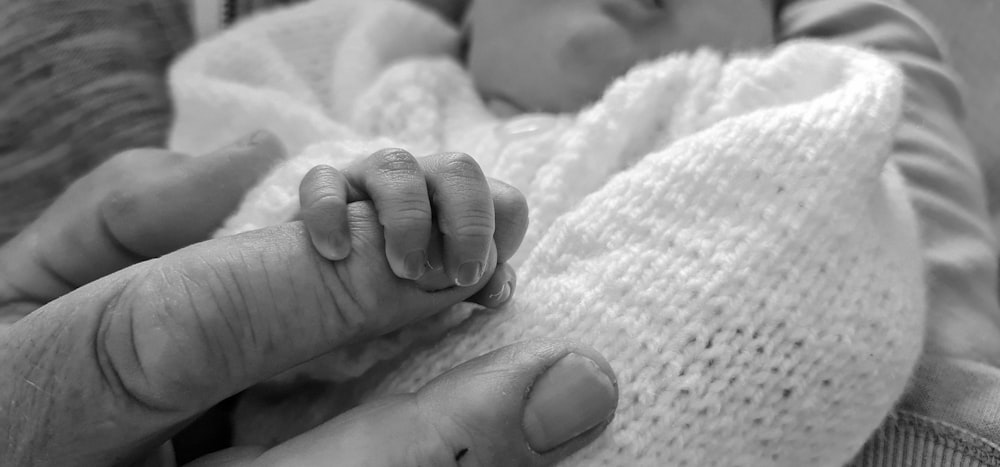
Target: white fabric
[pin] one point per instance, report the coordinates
(729, 233)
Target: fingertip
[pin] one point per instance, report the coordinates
(266, 144)
(564, 393)
(327, 224)
(512, 211)
(469, 273)
(328, 234)
(329, 248)
(464, 214)
(323, 196)
(573, 396)
(243, 162)
(216, 183)
(409, 265)
(499, 289)
(415, 264)
(534, 404)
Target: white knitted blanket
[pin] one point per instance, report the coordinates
(730, 233)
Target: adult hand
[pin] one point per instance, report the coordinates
(116, 352)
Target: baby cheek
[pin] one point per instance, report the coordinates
(722, 25)
(597, 54)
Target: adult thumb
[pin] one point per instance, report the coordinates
(530, 404)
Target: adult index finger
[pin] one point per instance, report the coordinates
(113, 368)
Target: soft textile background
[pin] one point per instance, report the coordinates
(972, 30)
(121, 49)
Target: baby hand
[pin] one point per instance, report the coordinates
(437, 211)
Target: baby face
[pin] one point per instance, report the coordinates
(560, 55)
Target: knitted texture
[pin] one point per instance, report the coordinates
(731, 234)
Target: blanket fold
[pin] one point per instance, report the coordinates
(729, 232)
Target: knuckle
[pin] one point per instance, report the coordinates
(473, 227)
(323, 173)
(134, 359)
(322, 186)
(411, 214)
(470, 221)
(394, 160)
(325, 202)
(173, 336)
(462, 165)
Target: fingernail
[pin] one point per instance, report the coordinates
(414, 264)
(570, 398)
(469, 273)
(337, 247)
(328, 250)
(503, 295)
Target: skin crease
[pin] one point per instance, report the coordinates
(560, 55)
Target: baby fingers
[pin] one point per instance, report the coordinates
(437, 212)
(323, 195)
(395, 183)
(464, 212)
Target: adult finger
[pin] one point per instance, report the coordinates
(394, 181)
(529, 404)
(323, 195)
(463, 207)
(119, 364)
(140, 204)
(69, 244)
(185, 205)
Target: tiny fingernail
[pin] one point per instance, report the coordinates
(570, 398)
(503, 295)
(338, 247)
(414, 264)
(469, 273)
(328, 250)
